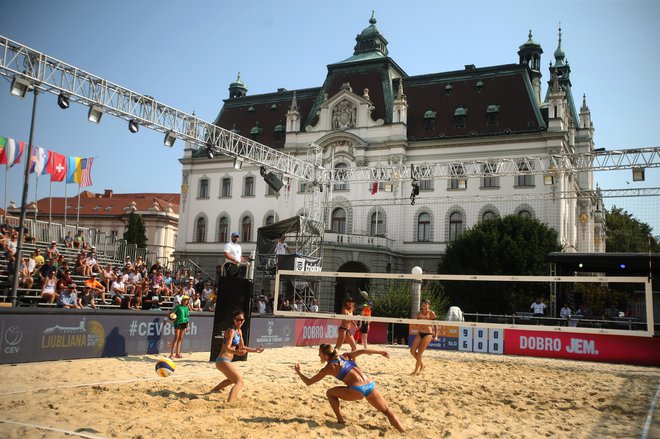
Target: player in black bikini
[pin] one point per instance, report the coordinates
(426, 333)
(344, 330)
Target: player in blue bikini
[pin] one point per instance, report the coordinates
(358, 385)
(233, 345)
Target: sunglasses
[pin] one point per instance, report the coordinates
(239, 320)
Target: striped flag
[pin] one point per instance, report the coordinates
(73, 170)
(11, 152)
(39, 160)
(86, 166)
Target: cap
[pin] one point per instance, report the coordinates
(235, 234)
(184, 297)
(53, 242)
(93, 275)
(72, 285)
(191, 278)
(128, 257)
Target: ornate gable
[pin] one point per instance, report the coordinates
(344, 111)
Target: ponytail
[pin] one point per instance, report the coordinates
(328, 350)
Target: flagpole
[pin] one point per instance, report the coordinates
(4, 213)
(50, 204)
(36, 193)
(66, 202)
(78, 209)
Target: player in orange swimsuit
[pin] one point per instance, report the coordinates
(425, 333)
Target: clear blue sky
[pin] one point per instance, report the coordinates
(185, 54)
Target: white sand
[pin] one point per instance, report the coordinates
(459, 395)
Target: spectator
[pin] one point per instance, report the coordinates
(153, 299)
(11, 267)
(48, 288)
(314, 307)
(206, 292)
(565, 312)
(63, 279)
(25, 279)
(133, 281)
(79, 241)
(189, 289)
(210, 303)
(68, 298)
(12, 243)
(196, 303)
(176, 299)
(80, 266)
(261, 305)
(118, 291)
(45, 270)
(108, 276)
(199, 284)
(285, 305)
(281, 248)
(52, 251)
(39, 259)
(127, 264)
(299, 305)
(134, 303)
(96, 287)
(611, 312)
(86, 298)
(234, 257)
(92, 263)
(538, 308)
(68, 240)
(59, 261)
(167, 283)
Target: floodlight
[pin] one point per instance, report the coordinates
(94, 114)
(133, 126)
(209, 152)
(170, 138)
(548, 180)
(19, 87)
(638, 174)
(238, 163)
(63, 101)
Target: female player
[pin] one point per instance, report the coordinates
(344, 331)
(425, 333)
(358, 385)
(233, 345)
(364, 325)
(182, 313)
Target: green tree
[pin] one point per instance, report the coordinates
(627, 234)
(394, 298)
(135, 232)
(512, 245)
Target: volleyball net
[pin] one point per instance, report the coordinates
(590, 304)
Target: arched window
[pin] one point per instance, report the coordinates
(338, 222)
(203, 188)
(488, 215)
(341, 174)
(223, 229)
(248, 187)
(200, 230)
(246, 229)
(455, 226)
(377, 228)
(525, 214)
(424, 227)
(270, 219)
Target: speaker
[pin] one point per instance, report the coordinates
(234, 294)
(272, 181)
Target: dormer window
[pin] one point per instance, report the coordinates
(273, 108)
(459, 117)
(493, 115)
(234, 129)
(255, 132)
(251, 110)
(449, 89)
(429, 120)
(479, 86)
(279, 131)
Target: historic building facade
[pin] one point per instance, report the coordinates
(369, 111)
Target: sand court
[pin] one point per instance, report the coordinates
(459, 395)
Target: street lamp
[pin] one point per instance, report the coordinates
(416, 293)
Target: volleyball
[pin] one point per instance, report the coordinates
(165, 367)
(172, 316)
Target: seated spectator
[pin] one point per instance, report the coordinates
(565, 312)
(118, 291)
(108, 276)
(189, 289)
(157, 277)
(92, 263)
(132, 280)
(167, 284)
(63, 279)
(206, 292)
(11, 243)
(127, 264)
(210, 303)
(134, 303)
(96, 287)
(38, 259)
(176, 299)
(314, 307)
(59, 261)
(68, 298)
(196, 303)
(25, 279)
(52, 251)
(68, 240)
(45, 270)
(153, 299)
(79, 241)
(86, 298)
(80, 266)
(49, 288)
(285, 305)
(298, 305)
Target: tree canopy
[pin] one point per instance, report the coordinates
(627, 234)
(136, 232)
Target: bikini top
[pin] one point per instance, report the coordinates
(346, 366)
(237, 338)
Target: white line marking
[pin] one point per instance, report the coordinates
(100, 383)
(649, 416)
(42, 427)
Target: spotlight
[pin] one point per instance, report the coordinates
(209, 152)
(19, 87)
(133, 126)
(238, 163)
(170, 138)
(263, 171)
(414, 192)
(638, 174)
(271, 179)
(63, 101)
(94, 114)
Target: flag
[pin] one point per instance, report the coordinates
(73, 170)
(11, 153)
(57, 166)
(86, 166)
(38, 161)
(374, 188)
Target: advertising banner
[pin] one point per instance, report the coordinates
(585, 347)
(311, 332)
(272, 332)
(43, 337)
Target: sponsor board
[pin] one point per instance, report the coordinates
(316, 331)
(272, 332)
(586, 347)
